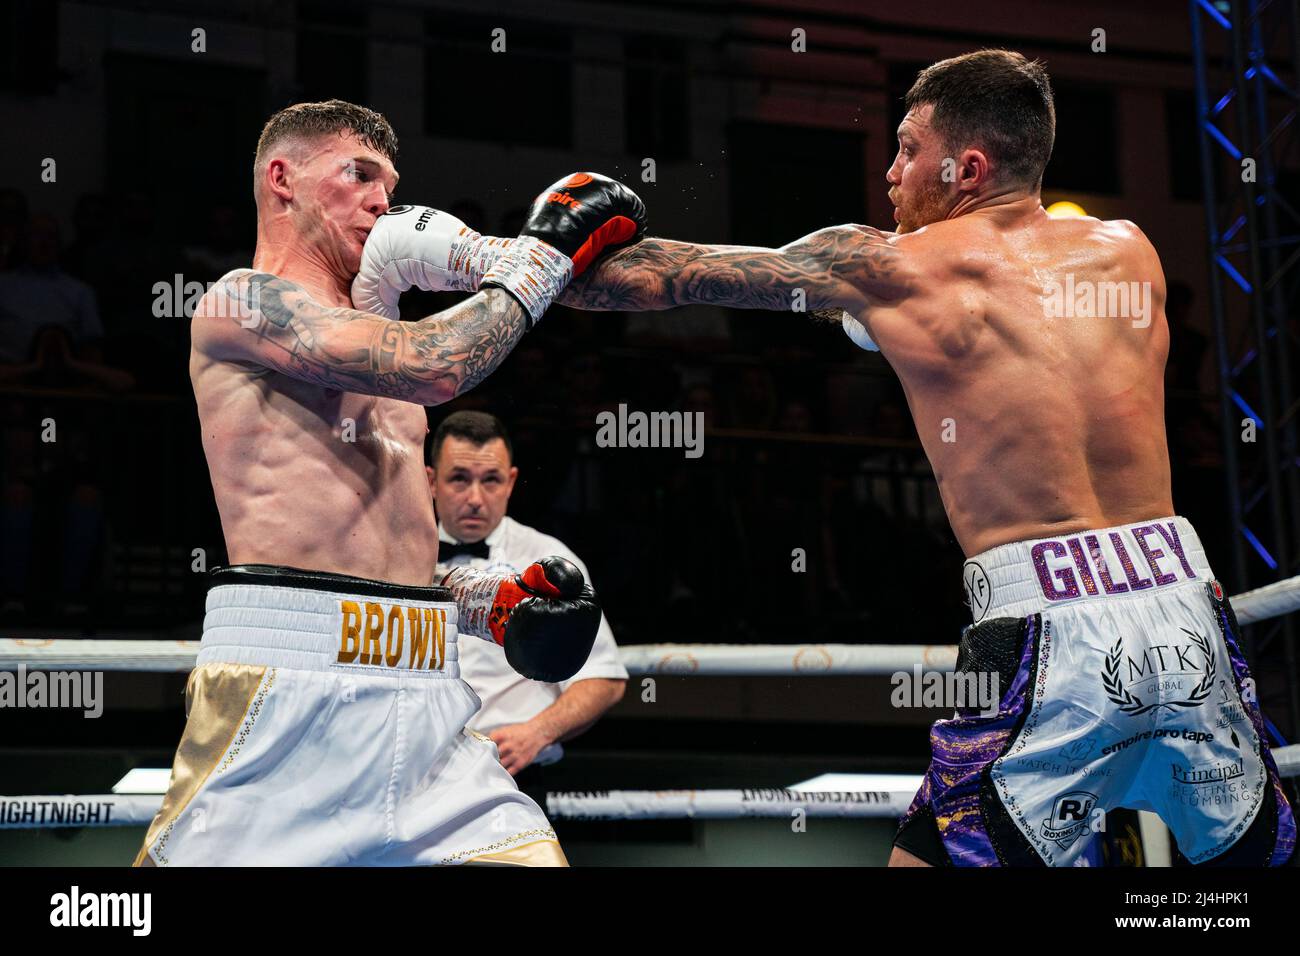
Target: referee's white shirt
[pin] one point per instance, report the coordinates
(508, 697)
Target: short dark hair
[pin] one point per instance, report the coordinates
(997, 99)
(478, 428)
(322, 119)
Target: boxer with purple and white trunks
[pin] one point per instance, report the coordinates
(1037, 392)
(1123, 685)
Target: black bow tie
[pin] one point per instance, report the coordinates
(479, 549)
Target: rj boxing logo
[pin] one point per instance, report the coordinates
(1071, 815)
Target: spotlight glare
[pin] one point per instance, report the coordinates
(1065, 210)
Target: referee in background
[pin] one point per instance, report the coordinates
(471, 476)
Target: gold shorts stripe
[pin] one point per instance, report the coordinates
(218, 699)
(537, 853)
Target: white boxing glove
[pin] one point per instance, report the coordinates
(423, 247)
(858, 333)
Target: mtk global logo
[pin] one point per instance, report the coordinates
(1175, 675)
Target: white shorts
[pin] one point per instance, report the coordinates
(326, 727)
(1121, 684)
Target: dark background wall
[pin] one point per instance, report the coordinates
(808, 445)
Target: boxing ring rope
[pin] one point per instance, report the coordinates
(714, 660)
(115, 809)
(70, 810)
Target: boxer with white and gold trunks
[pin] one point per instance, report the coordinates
(326, 726)
(325, 718)
(1032, 353)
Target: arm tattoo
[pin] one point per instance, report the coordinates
(427, 362)
(842, 266)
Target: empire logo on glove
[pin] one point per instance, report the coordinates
(423, 220)
(564, 199)
(584, 215)
(573, 182)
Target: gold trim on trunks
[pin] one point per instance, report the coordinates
(222, 702)
(537, 853)
(504, 849)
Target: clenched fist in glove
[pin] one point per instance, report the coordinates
(546, 618)
(422, 247)
(568, 226)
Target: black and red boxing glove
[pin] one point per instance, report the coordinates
(546, 618)
(583, 215)
(568, 226)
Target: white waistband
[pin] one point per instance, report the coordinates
(306, 629)
(1023, 577)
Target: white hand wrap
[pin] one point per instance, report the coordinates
(474, 592)
(534, 272)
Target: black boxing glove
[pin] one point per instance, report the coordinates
(585, 214)
(567, 228)
(546, 618)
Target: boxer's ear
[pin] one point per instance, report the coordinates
(433, 481)
(973, 169)
(278, 179)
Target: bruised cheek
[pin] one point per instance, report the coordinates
(332, 202)
(312, 220)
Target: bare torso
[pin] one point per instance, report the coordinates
(313, 477)
(1035, 425)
